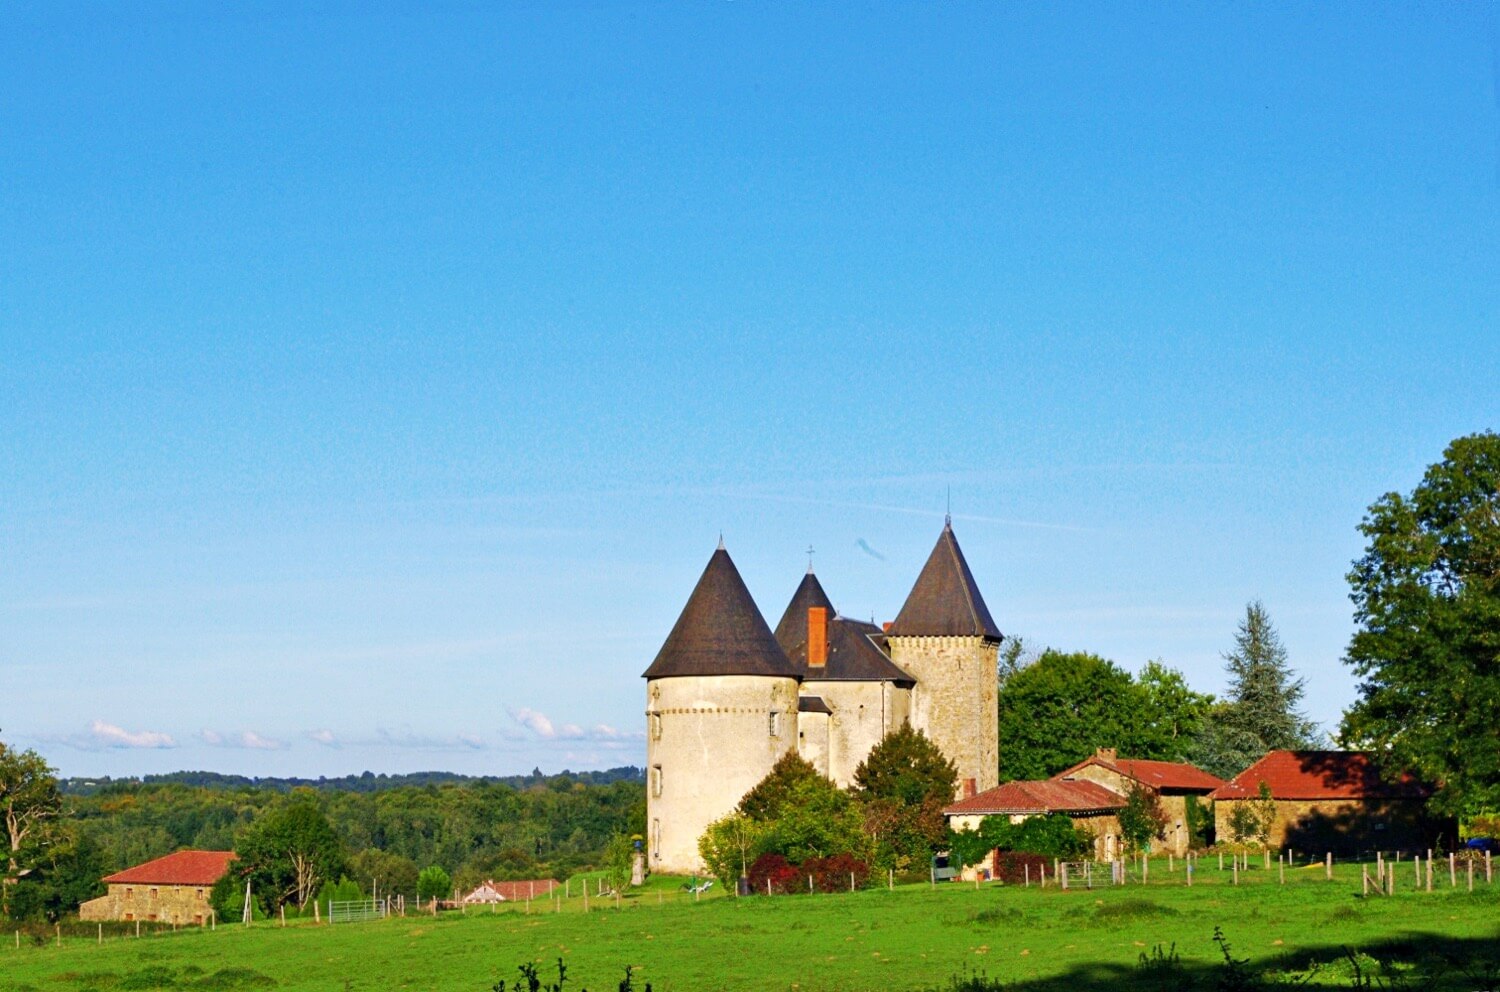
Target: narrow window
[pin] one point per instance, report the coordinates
(656, 838)
(775, 723)
(656, 780)
(656, 726)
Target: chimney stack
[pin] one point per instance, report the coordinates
(1105, 753)
(886, 627)
(971, 788)
(817, 636)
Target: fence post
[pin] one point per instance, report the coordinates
(101, 933)
(890, 879)
(1364, 880)
(1469, 870)
(1328, 865)
(1027, 869)
(851, 881)
(1236, 870)
(1281, 869)
(1452, 871)
(1221, 860)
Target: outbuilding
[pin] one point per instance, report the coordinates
(1334, 801)
(173, 889)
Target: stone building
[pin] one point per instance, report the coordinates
(726, 697)
(173, 889)
(1175, 784)
(1092, 807)
(1335, 802)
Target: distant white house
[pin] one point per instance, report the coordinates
(491, 891)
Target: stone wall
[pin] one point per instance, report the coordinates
(863, 713)
(184, 904)
(709, 740)
(956, 701)
(1345, 826)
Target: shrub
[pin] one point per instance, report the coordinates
(783, 876)
(831, 874)
(1017, 866)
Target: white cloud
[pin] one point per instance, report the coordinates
(538, 722)
(324, 737)
(211, 737)
(256, 742)
(108, 735)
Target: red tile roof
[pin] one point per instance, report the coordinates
(1319, 775)
(1047, 796)
(1156, 774)
(182, 868)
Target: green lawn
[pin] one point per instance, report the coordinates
(914, 937)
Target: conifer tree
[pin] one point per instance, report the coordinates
(1261, 713)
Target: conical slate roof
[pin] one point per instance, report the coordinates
(720, 631)
(856, 651)
(791, 632)
(945, 602)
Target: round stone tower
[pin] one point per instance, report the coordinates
(721, 708)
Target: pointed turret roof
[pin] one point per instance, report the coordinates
(856, 651)
(945, 601)
(720, 631)
(791, 632)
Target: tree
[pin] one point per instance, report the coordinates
(1142, 819)
(289, 853)
(433, 883)
(729, 845)
(384, 872)
(1173, 714)
(1264, 808)
(1015, 654)
(1261, 711)
(1426, 598)
(30, 803)
(770, 794)
(618, 855)
(67, 874)
(903, 784)
(1055, 713)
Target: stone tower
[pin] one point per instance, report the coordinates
(721, 708)
(945, 637)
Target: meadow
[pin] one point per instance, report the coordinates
(1158, 935)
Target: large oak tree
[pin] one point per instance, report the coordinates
(1426, 595)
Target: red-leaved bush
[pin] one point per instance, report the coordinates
(783, 876)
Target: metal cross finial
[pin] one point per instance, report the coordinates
(809, 559)
(721, 540)
(948, 513)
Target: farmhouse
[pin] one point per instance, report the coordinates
(726, 697)
(1090, 806)
(1176, 784)
(491, 891)
(1091, 794)
(173, 889)
(1334, 801)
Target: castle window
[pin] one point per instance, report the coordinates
(775, 726)
(656, 838)
(656, 780)
(655, 720)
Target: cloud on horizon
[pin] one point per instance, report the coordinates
(247, 739)
(109, 735)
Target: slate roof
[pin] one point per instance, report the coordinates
(183, 868)
(856, 650)
(720, 631)
(1047, 796)
(945, 602)
(812, 704)
(1169, 775)
(1319, 775)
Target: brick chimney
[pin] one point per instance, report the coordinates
(886, 627)
(1105, 754)
(971, 788)
(817, 636)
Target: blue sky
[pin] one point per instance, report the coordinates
(377, 379)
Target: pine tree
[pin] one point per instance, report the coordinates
(1261, 713)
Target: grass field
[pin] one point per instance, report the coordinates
(913, 937)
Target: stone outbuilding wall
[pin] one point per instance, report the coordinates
(182, 904)
(1345, 826)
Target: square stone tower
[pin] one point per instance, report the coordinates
(945, 637)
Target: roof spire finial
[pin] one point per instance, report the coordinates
(721, 540)
(809, 559)
(948, 513)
